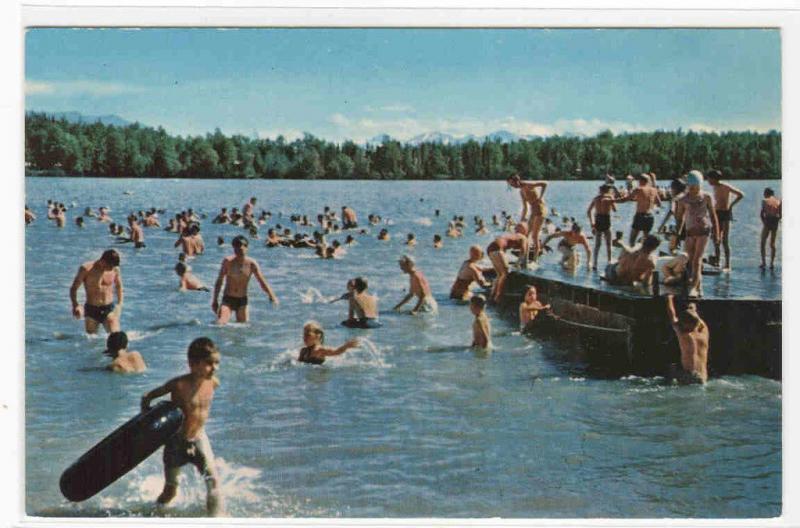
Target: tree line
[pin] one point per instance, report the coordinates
(94, 149)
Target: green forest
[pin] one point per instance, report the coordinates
(80, 149)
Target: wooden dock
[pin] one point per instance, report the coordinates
(625, 330)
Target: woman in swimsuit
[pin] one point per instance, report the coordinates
(695, 211)
(469, 273)
(533, 202)
(497, 254)
(313, 352)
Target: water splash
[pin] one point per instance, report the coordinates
(313, 295)
(423, 221)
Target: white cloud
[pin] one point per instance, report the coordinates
(79, 87)
(396, 107)
(289, 135)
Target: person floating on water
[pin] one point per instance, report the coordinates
(193, 393)
(695, 211)
(635, 265)
(497, 255)
(481, 326)
(646, 198)
(314, 352)
(468, 273)
(723, 207)
(235, 273)
(533, 203)
(100, 279)
(530, 307)
(568, 244)
(771, 214)
(418, 287)
(602, 205)
(188, 280)
(693, 338)
(122, 360)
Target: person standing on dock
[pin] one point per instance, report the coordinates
(646, 198)
(693, 338)
(235, 272)
(533, 203)
(771, 213)
(99, 278)
(723, 206)
(695, 211)
(603, 205)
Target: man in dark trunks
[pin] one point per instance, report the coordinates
(99, 278)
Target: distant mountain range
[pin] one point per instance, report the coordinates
(503, 136)
(77, 117)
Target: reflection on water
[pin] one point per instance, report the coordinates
(413, 423)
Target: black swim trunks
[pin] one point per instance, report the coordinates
(178, 452)
(98, 313)
(723, 215)
(602, 222)
(643, 222)
(234, 303)
(771, 222)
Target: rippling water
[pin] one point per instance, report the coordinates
(420, 427)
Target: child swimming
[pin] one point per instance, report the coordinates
(481, 326)
(122, 360)
(313, 338)
(188, 280)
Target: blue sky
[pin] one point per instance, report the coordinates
(358, 83)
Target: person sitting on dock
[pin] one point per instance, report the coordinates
(533, 203)
(724, 209)
(497, 255)
(646, 198)
(693, 338)
(570, 240)
(695, 211)
(481, 326)
(771, 213)
(468, 273)
(122, 360)
(530, 307)
(603, 205)
(635, 265)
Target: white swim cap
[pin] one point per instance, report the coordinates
(694, 177)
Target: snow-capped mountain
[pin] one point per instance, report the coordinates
(503, 136)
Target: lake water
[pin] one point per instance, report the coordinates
(420, 427)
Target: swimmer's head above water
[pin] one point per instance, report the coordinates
(116, 341)
(313, 333)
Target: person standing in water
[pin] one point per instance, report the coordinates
(693, 339)
(533, 203)
(418, 287)
(695, 211)
(193, 393)
(723, 207)
(100, 279)
(771, 214)
(603, 205)
(136, 232)
(122, 360)
(362, 306)
(481, 326)
(314, 338)
(530, 307)
(235, 273)
(468, 273)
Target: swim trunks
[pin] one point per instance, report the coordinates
(361, 323)
(643, 222)
(234, 303)
(179, 451)
(723, 215)
(139, 245)
(602, 222)
(771, 222)
(98, 313)
(677, 373)
(611, 272)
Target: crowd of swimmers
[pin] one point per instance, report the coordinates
(697, 216)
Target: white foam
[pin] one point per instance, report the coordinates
(423, 221)
(313, 295)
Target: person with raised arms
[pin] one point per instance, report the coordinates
(235, 273)
(693, 338)
(99, 278)
(532, 194)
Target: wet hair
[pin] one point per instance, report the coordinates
(576, 227)
(180, 268)
(689, 315)
(650, 242)
(410, 236)
(110, 257)
(437, 238)
(529, 289)
(769, 191)
(201, 349)
(360, 284)
(315, 327)
(606, 188)
(643, 177)
(677, 186)
(478, 300)
(116, 341)
(714, 174)
(239, 241)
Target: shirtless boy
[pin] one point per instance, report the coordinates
(646, 198)
(349, 218)
(603, 205)
(122, 360)
(771, 214)
(481, 327)
(468, 273)
(533, 202)
(193, 393)
(570, 240)
(723, 206)
(634, 265)
(362, 306)
(100, 278)
(235, 272)
(418, 287)
(693, 339)
(136, 232)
